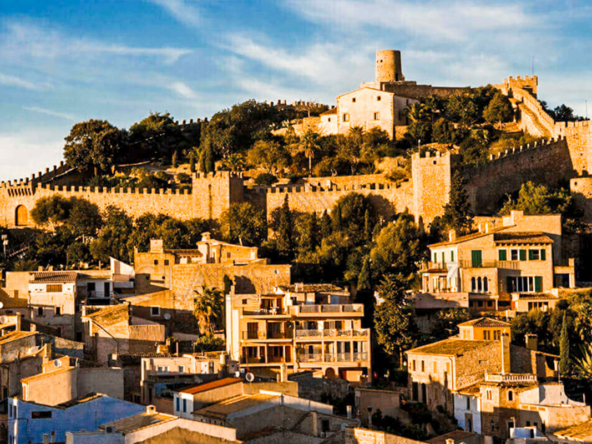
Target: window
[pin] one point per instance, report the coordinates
(534, 255)
(353, 99)
(413, 365)
(497, 335)
(525, 284)
(522, 255)
(487, 335)
(228, 255)
(503, 255)
(452, 256)
(346, 117)
(54, 288)
(423, 366)
(378, 98)
(489, 395)
(244, 302)
(162, 369)
(514, 255)
(166, 261)
(40, 415)
(468, 403)
(184, 405)
(58, 311)
(329, 119)
(435, 367)
(473, 284)
(435, 257)
(181, 369)
(510, 395)
(155, 261)
(476, 258)
(376, 116)
(485, 285)
(39, 311)
(178, 402)
(154, 311)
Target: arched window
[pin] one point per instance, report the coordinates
(22, 216)
(485, 285)
(510, 395)
(473, 284)
(479, 286)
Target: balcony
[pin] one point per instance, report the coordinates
(266, 312)
(508, 265)
(333, 357)
(261, 335)
(331, 333)
(327, 310)
(512, 377)
(261, 360)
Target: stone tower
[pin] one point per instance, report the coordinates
(388, 66)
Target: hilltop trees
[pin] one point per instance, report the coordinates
(94, 145)
(243, 223)
(499, 109)
(457, 212)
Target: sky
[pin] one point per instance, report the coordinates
(66, 61)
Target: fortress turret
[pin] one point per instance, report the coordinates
(388, 66)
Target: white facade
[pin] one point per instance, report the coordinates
(467, 411)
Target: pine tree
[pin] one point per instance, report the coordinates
(192, 163)
(174, 160)
(368, 226)
(285, 238)
(314, 233)
(337, 223)
(325, 226)
(457, 212)
(364, 277)
(564, 347)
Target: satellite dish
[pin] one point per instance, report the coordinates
(250, 377)
(57, 363)
(1, 305)
(167, 316)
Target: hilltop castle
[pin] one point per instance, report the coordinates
(566, 155)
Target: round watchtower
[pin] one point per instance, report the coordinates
(388, 66)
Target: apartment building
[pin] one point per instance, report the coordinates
(299, 327)
(508, 261)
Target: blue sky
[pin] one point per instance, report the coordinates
(65, 61)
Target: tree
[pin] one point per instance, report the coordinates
(443, 131)
(235, 162)
(285, 229)
(192, 162)
(350, 147)
(393, 319)
(457, 212)
(307, 233)
(84, 218)
(174, 160)
(462, 108)
(268, 154)
(112, 240)
(564, 347)
(94, 144)
(399, 248)
(364, 281)
(349, 216)
(156, 135)
(51, 211)
(243, 223)
(209, 309)
(325, 228)
(499, 110)
(309, 145)
(583, 364)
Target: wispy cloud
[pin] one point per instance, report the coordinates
(454, 21)
(24, 40)
(181, 10)
(49, 112)
(183, 90)
(8, 80)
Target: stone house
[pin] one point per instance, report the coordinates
(32, 422)
(299, 327)
(496, 266)
(114, 330)
(369, 401)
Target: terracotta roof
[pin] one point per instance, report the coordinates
(330, 111)
(468, 237)
(456, 435)
(472, 390)
(224, 408)
(51, 373)
(484, 322)
(137, 422)
(15, 335)
(49, 277)
(449, 347)
(210, 385)
(579, 432)
(310, 288)
(111, 315)
(522, 237)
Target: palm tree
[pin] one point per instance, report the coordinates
(235, 162)
(208, 309)
(416, 112)
(584, 364)
(309, 144)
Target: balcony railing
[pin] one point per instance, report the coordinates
(333, 357)
(329, 308)
(261, 360)
(256, 334)
(516, 378)
(509, 265)
(265, 312)
(331, 333)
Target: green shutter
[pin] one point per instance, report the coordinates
(476, 258)
(538, 284)
(435, 257)
(530, 255)
(452, 256)
(522, 255)
(503, 255)
(543, 254)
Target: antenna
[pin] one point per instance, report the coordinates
(533, 65)
(586, 108)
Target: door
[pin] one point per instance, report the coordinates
(476, 258)
(90, 290)
(107, 287)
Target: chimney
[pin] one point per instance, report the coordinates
(450, 441)
(150, 410)
(156, 246)
(486, 227)
(349, 412)
(505, 349)
(205, 236)
(532, 341)
(452, 235)
(46, 438)
(19, 320)
(315, 423)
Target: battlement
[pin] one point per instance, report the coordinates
(309, 188)
(79, 190)
(183, 123)
(217, 175)
(529, 83)
(49, 174)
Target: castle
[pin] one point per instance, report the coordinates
(564, 156)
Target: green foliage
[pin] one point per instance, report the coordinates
(399, 248)
(51, 211)
(309, 145)
(267, 179)
(349, 214)
(235, 162)
(446, 322)
(364, 279)
(268, 154)
(192, 167)
(443, 131)
(285, 230)
(209, 343)
(583, 365)
(564, 364)
(175, 160)
(457, 212)
(156, 136)
(499, 109)
(112, 240)
(243, 223)
(94, 144)
(209, 310)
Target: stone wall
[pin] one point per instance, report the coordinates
(356, 435)
(432, 178)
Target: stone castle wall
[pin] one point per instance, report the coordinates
(432, 177)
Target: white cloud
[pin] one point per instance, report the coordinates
(23, 41)
(8, 80)
(181, 10)
(49, 112)
(183, 90)
(456, 21)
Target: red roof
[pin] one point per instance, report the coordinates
(210, 385)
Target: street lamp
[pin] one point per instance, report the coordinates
(5, 243)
